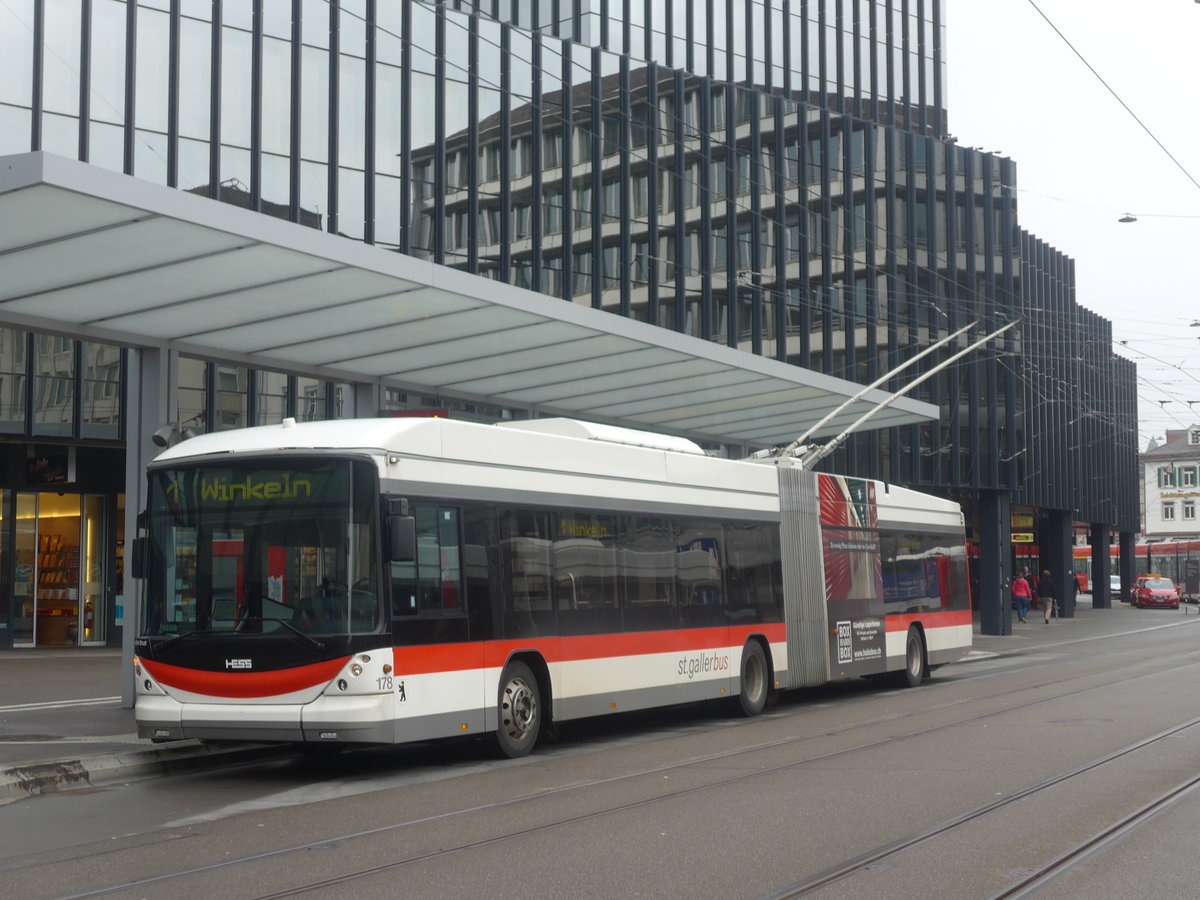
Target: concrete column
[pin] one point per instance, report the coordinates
(1101, 567)
(1054, 547)
(1128, 564)
(152, 402)
(368, 402)
(995, 563)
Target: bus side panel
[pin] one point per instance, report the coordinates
(603, 674)
(441, 690)
(803, 580)
(948, 637)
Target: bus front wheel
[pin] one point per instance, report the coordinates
(518, 711)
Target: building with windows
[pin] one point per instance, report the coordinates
(1171, 485)
(703, 218)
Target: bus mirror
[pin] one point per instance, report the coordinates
(137, 558)
(402, 533)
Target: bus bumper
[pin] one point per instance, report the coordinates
(343, 719)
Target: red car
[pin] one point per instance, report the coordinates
(1154, 590)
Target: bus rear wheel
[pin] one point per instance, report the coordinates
(916, 669)
(755, 681)
(518, 711)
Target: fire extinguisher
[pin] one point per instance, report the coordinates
(89, 618)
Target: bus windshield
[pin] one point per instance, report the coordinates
(258, 546)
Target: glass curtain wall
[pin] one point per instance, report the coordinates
(219, 396)
(767, 175)
(877, 59)
(733, 182)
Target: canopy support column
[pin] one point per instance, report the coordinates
(151, 403)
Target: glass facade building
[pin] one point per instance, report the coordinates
(775, 176)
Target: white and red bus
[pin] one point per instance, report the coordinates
(392, 580)
(1177, 559)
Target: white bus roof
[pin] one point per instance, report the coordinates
(472, 459)
(613, 434)
(613, 461)
(386, 434)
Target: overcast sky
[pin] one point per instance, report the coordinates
(1083, 161)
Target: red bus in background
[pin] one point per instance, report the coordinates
(1176, 560)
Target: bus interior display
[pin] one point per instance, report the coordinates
(383, 581)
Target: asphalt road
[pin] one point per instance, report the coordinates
(973, 785)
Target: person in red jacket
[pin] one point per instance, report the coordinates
(1021, 595)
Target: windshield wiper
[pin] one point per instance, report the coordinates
(286, 624)
(169, 640)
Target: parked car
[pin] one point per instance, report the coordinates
(1114, 586)
(1154, 590)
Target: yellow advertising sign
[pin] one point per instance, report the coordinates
(1022, 537)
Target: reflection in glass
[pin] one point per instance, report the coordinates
(271, 397)
(100, 388)
(150, 103)
(193, 394)
(310, 400)
(53, 385)
(13, 359)
(232, 395)
(60, 75)
(195, 56)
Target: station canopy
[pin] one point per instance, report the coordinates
(93, 254)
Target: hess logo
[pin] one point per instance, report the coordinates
(238, 664)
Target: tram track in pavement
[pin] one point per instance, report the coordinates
(1116, 675)
(1042, 874)
(1096, 843)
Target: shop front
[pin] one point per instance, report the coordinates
(61, 569)
(61, 562)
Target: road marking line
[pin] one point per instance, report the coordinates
(60, 704)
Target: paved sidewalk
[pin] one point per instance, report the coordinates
(62, 725)
(1088, 623)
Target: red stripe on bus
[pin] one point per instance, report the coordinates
(492, 654)
(242, 684)
(930, 619)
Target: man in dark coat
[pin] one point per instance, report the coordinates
(1046, 593)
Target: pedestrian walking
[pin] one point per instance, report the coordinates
(1032, 582)
(1046, 593)
(1021, 596)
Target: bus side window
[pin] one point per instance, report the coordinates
(432, 584)
(700, 570)
(648, 560)
(753, 573)
(525, 551)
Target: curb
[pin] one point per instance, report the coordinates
(19, 782)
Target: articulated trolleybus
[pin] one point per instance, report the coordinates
(392, 580)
